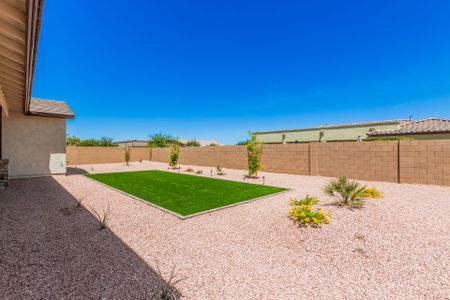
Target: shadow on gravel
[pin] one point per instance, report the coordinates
(75, 171)
(48, 254)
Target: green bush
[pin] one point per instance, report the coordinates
(174, 154)
(192, 143)
(303, 213)
(159, 140)
(348, 192)
(254, 151)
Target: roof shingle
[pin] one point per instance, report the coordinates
(425, 126)
(50, 108)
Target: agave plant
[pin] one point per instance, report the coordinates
(349, 192)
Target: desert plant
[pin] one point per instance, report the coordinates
(303, 213)
(373, 193)
(254, 151)
(192, 143)
(80, 200)
(103, 219)
(219, 171)
(106, 142)
(308, 200)
(360, 236)
(72, 140)
(159, 140)
(347, 191)
(189, 170)
(243, 143)
(127, 155)
(199, 172)
(174, 154)
(360, 251)
(167, 288)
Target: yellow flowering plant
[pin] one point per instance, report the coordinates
(371, 192)
(303, 213)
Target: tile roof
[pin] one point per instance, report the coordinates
(50, 108)
(425, 126)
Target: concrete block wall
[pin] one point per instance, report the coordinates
(99, 155)
(375, 161)
(426, 162)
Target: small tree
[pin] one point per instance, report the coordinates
(72, 140)
(254, 151)
(174, 154)
(159, 140)
(127, 155)
(192, 143)
(106, 142)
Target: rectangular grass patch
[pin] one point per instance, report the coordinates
(183, 194)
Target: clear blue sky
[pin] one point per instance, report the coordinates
(216, 69)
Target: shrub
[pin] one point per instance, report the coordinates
(174, 155)
(373, 193)
(192, 143)
(303, 213)
(254, 151)
(72, 140)
(159, 140)
(127, 155)
(189, 170)
(348, 192)
(199, 172)
(219, 171)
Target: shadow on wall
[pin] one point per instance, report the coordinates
(48, 251)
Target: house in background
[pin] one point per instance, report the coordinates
(390, 129)
(32, 131)
(144, 143)
(132, 143)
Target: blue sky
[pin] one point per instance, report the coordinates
(216, 69)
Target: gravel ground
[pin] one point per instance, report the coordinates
(50, 249)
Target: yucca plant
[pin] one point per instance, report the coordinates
(104, 218)
(349, 192)
(167, 289)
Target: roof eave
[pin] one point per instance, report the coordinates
(49, 115)
(34, 18)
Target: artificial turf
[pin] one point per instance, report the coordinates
(181, 193)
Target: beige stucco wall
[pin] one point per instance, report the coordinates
(31, 142)
(330, 134)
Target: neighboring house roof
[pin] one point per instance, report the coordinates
(50, 108)
(132, 141)
(202, 142)
(425, 126)
(399, 121)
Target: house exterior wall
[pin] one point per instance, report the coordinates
(35, 146)
(445, 136)
(330, 134)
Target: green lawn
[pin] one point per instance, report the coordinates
(181, 193)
